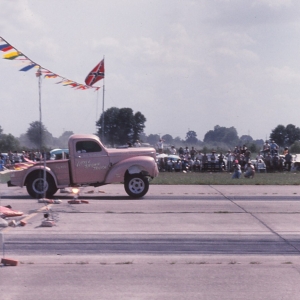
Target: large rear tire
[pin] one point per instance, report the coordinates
(36, 186)
(136, 185)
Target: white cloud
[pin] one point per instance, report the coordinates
(21, 17)
(284, 75)
(108, 42)
(277, 4)
(171, 62)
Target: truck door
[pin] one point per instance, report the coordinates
(90, 162)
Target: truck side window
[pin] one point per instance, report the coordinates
(87, 147)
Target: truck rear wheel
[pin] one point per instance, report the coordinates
(36, 186)
(136, 185)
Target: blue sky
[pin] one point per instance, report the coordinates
(186, 65)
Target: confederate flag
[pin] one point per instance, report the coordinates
(96, 74)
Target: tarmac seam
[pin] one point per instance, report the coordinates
(259, 220)
(171, 212)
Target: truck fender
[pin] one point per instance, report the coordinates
(39, 168)
(133, 165)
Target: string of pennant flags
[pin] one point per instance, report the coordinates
(12, 53)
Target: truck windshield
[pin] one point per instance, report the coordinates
(87, 146)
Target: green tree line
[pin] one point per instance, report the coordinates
(118, 126)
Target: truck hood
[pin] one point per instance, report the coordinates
(119, 154)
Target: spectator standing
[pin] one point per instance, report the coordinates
(161, 165)
(186, 150)
(221, 161)
(180, 151)
(199, 155)
(160, 145)
(288, 161)
(243, 149)
(280, 163)
(25, 154)
(275, 162)
(22, 156)
(273, 148)
(48, 155)
(242, 161)
(240, 150)
(213, 161)
(266, 148)
(137, 143)
(268, 162)
(197, 165)
(31, 155)
(173, 150)
(10, 156)
(230, 159)
(193, 153)
(38, 156)
(247, 155)
(16, 157)
(205, 162)
(191, 163)
(259, 157)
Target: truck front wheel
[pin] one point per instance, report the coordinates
(36, 186)
(136, 185)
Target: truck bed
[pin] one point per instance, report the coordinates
(59, 167)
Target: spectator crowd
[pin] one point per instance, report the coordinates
(184, 159)
(192, 160)
(12, 158)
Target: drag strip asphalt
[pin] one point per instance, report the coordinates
(169, 220)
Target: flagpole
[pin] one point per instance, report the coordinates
(97, 109)
(103, 93)
(95, 75)
(39, 74)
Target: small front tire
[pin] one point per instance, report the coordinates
(136, 185)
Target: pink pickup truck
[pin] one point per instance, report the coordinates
(90, 163)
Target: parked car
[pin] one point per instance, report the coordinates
(296, 163)
(59, 154)
(214, 166)
(259, 165)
